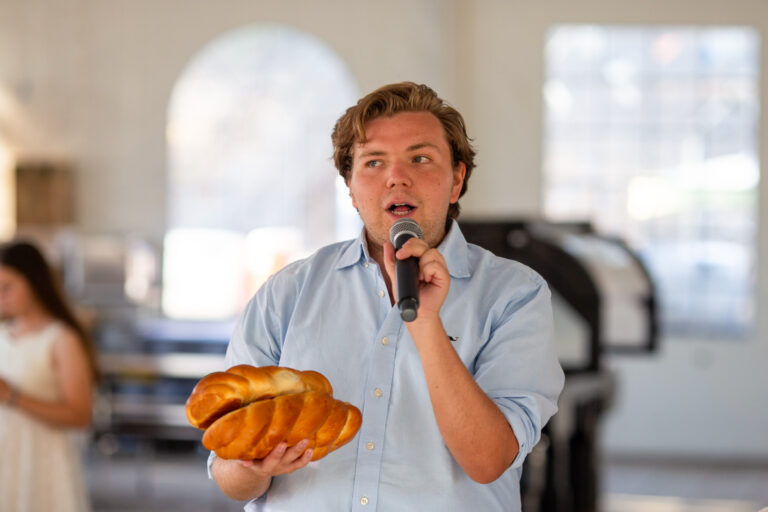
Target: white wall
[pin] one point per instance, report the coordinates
(91, 79)
(700, 399)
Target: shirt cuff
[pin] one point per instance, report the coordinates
(523, 445)
(211, 458)
(256, 504)
(526, 432)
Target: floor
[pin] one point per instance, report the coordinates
(642, 486)
(152, 480)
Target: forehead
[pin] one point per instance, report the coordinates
(403, 130)
(8, 274)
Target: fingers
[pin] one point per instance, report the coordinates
(414, 247)
(295, 455)
(418, 249)
(430, 260)
(433, 270)
(431, 263)
(434, 278)
(273, 458)
(282, 459)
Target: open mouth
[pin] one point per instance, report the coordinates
(401, 209)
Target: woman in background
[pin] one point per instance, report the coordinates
(47, 376)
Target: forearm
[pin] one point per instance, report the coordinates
(56, 414)
(237, 481)
(473, 428)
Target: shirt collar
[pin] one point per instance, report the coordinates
(355, 251)
(455, 251)
(453, 248)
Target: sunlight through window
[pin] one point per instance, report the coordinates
(651, 133)
(249, 166)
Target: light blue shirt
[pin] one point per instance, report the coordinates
(331, 313)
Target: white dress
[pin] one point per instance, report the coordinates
(40, 466)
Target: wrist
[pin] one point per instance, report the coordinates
(426, 328)
(254, 469)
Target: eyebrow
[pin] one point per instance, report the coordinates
(421, 145)
(412, 147)
(371, 153)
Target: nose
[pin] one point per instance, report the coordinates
(398, 174)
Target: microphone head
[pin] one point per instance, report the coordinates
(402, 227)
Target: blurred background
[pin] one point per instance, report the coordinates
(169, 156)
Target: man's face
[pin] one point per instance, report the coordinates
(404, 170)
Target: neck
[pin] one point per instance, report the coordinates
(375, 251)
(30, 321)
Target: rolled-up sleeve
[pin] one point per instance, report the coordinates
(255, 338)
(518, 368)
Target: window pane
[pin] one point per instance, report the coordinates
(651, 133)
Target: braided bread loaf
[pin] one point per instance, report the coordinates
(247, 411)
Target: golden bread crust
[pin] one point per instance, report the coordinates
(247, 411)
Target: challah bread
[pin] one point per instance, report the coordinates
(221, 392)
(247, 411)
(341, 426)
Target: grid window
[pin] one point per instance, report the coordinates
(651, 133)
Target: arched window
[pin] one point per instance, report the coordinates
(251, 182)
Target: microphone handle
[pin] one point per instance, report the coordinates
(407, 272)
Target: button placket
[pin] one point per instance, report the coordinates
(371, 435)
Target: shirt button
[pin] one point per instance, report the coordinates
(377, 393)
(381, 293)
(364, 500)
(385, 341)
(369, 446)
(365, 264)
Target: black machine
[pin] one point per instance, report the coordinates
(603, 301)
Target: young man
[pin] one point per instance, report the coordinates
(453, 401)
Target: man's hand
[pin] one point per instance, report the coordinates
(281, 460)
(248, 479)
(434, 279)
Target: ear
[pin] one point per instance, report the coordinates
(458, 181)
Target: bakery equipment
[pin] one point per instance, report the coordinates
(150, 366)
(603, 301)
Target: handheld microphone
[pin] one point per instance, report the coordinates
(407, 270)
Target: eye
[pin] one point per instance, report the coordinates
(421, 159)
(373, 163)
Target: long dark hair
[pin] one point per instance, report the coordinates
(27, 260)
